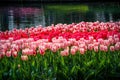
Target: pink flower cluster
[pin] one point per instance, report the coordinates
(68, 39)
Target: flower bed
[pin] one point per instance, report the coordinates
(78, 51)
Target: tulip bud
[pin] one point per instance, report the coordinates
(24, 57)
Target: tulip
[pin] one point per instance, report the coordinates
(116, 40)
(54, 48)
(42, 50)
(31, 52)
(65, 52)
(96, 43)
(102, 47)
(112, 48)
(14, 54)
(24, 57)
(25, 51)
(106, 42)
(73, 51)
(33, 47)
(96, 48)
(8, 54)
(117, 46)
(62, 53)
(4, 47)
(82, 50)
(90, 46)
(105, 48)
(101, 41)
(1, 55)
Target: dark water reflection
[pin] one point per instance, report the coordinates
(47, 14)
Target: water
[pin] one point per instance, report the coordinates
(46, 14)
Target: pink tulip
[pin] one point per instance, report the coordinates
(14, 54)
(8, 45)
(30, 40)
(18, 42)
(24, 57)
(101, 41)
(112, 48)
(72, 40)
(11, 39)
(96, 43)
(54, 48)
(73, 51)
(75, 47)
(82, 45)
(115, 36)
(58, 45)
(96, 48)
(26, 45)
(62, 53)
(82, 50)
(111, 40)
(30, 52)
(117, 46)
(90, 46)
(65, 52)
(105, 48)
(8, 54)
(2, 41)
(69, 43)
(4, 47)
(2, 54)
(65, 44)
(17, 48)
(42, 50)
(91, 38)
(48, 45)
(33, 47)
(106, 42)
(102, 47)
(116, 40)
(25, 51)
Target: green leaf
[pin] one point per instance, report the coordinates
(73, 69)
(33, 63)
(62, 61)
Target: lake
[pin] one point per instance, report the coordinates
(32, 15)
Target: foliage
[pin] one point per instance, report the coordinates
(52, 66)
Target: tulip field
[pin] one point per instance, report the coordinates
(77, 51)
